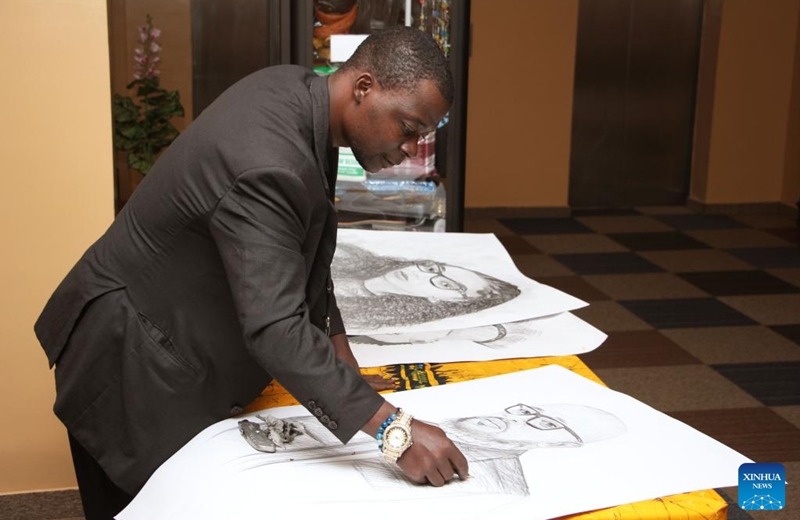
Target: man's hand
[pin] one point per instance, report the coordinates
(432, 458)
(378, 382)
(342, 348)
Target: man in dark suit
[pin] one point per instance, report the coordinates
(215, 277)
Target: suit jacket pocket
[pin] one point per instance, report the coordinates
(161, 345)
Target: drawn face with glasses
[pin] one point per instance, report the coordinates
(523, 427)
(431, 280)
(536, 419)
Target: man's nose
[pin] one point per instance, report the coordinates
(409, 146)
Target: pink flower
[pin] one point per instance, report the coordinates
(146, 56)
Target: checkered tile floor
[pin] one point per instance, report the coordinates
(702, 313)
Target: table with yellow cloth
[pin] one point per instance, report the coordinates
(705, 505)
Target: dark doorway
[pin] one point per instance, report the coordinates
(634, 101)
(232, 39)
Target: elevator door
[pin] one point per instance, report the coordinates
(633, 113)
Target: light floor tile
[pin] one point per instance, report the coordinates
(695, 260)
(737, 238)
(610, 316)
(626, 224)
(791, 275)
(575, 243)
(747, 344)
(647, 286)
(790, 413)
(677, 388)
(769, 309)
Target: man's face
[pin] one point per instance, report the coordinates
(383, 126)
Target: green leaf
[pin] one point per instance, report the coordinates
(143, 127)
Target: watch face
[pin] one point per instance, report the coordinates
(396, 438)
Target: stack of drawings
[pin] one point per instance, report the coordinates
(418, 297)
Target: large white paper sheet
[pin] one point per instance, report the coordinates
(541, 443)
(560, 335)
(396, 281)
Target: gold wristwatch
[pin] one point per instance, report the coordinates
(397, 437)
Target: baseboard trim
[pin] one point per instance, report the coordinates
(515, 212)
(747, 208)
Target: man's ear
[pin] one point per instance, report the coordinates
(363, 85)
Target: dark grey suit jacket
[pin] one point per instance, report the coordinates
(213, 279)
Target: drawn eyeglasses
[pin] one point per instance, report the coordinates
(540, 421)
(439, 280)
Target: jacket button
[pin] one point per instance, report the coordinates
(311, 404)
(324, 419)
(236, 409)
(318, 412)
(332, 425)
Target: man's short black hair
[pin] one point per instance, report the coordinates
(399, 57)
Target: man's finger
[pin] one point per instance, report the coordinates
(379, 383)
(436, 479)
(446, 470)
(459, 462)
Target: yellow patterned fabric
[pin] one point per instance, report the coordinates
(705, 505)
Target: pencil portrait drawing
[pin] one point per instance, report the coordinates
(386, 291)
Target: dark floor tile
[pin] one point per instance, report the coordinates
(607, 263)
(774, 384)
(699, 221)
(538, 265)
(728, 283)
(640, 348)
(788, 234)
(788, 331)
(543, 226)
(575, 286)
(41, 506)
(730, 496)
(686, 313)
(604, 212)
(769, 257)
(657, 241)
(758, 433)
(516, 245)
